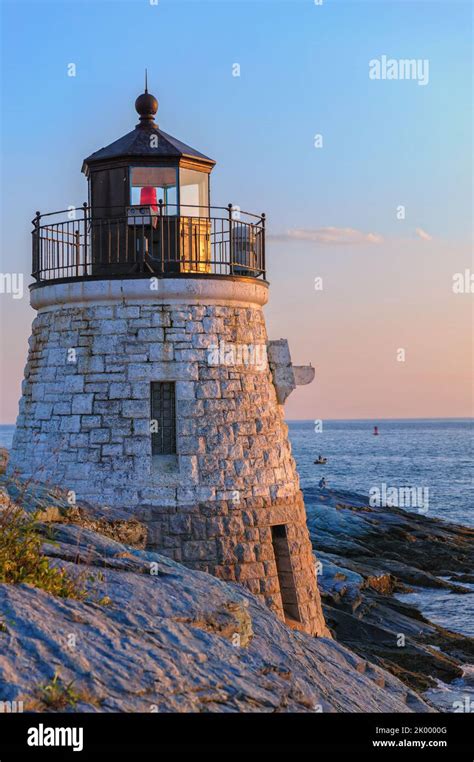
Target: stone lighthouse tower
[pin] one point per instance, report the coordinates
(148, 384)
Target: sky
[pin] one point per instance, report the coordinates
(366, 182)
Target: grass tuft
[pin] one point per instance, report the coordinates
(22, 560)
(58, 695)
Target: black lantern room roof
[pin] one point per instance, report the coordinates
(138, 142)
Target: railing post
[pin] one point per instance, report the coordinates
(36, 247)
(264, 272)
(143, 252)
(84, 207)
(162, 234)
(77, 244)
(231, 243)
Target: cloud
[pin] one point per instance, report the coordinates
(423, 234)
(329, 236)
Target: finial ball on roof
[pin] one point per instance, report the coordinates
(146, 106)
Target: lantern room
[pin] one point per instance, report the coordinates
(147, 166)
(161, 186)
(148, 213)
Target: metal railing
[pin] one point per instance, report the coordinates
(141, 241)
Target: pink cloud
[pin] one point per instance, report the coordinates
(329, 236)
(423, 234)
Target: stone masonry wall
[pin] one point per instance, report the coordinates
(84, 424)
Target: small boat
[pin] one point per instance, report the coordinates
(376, 431)
(320, 461)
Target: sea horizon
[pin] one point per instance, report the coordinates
(329, 420)
(424, 418)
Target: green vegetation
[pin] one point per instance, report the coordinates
(58, 695)
(21, 558)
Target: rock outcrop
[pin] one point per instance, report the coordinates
(368, 555)
(153, 635)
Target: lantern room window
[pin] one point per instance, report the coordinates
(150, 184)
(193, 193)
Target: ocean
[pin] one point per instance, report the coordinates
(6, 436)
(434, 455)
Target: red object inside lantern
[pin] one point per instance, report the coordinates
(148, 197)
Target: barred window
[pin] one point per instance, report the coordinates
(163, 418)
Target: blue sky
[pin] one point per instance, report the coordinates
(304, 70)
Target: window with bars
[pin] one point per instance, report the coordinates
(163, 418)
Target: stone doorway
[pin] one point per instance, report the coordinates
(286, 579)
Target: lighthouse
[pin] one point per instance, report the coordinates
(151, 384)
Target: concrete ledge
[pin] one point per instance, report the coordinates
(286, 376)
(205, 290)
(304, 374)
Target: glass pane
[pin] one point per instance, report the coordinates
(193, 193)
(150, 184)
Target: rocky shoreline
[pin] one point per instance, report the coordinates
(152, 635)
(368, 555)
